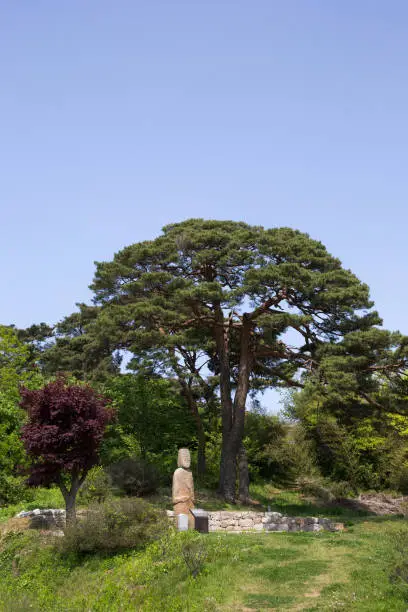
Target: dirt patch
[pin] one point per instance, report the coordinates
(14, 524)
(379, 504)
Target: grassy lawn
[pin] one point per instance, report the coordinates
(247, 572)
(244, 572)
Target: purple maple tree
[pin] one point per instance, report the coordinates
(62, 436)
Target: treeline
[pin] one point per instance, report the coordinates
(206, 316)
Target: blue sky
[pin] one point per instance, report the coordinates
(119, 117)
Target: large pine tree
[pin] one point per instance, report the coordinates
(233, 292)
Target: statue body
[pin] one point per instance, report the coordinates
(183, 486)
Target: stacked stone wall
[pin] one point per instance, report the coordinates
(268, 521)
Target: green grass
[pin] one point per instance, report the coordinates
(293, 503)
(37, 498)
(268, 571)
(278, 571)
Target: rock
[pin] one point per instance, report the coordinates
(224, 515)
(311, 520)
(337, 527)
(271, 527)
(283, 527)
(228, 521)
(272, 517)
(313, 527)
(23, 514)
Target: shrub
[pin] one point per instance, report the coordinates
(97, 486)
(399, 573)
(194, 553)
(325, 490)
(134, 476)
(315, 488)
(115, 525)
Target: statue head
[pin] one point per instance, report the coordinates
(184, 459)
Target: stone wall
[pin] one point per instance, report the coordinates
(218, 521)
(44, 519)
(268, 521)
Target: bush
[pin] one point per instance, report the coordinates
(134, 476)
(324, 489)
(113, 526)
(399, 573)
(194, 553)
(277, 450)
(97, 486)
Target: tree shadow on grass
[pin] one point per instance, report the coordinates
(298, 571)
(259, 601)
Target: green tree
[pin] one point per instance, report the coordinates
(235, 290)
(73, 349)
(354, 406)
(16, 368)
(151, 420)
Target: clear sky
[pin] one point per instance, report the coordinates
(119, 116)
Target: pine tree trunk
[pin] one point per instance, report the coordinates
(201, 450)
(228, 485)
(243, 473)
(233, 424)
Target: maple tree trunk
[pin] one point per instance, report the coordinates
(70, 496)
(70, 508)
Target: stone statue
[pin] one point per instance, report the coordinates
(183, 486)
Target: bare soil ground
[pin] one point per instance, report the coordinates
(379, 504)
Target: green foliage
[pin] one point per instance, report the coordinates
(15, 369)
(74, 350)
(194, 552)
(113, 526)
(168, 300)
(277, 450)
(32, 499)
(399, 572)
(133, 476)
(97, 486)
(348, 571)
(355, 442)
(152, 421)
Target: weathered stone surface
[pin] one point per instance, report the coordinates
(311, 520)
(51, 518)
(272, 517)
(183, 486)
(246, 523)
(283, 527)
(271, 527)
(313, 527)
(230, 521)
(337, 527)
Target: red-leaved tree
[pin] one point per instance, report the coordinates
(62, 436)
